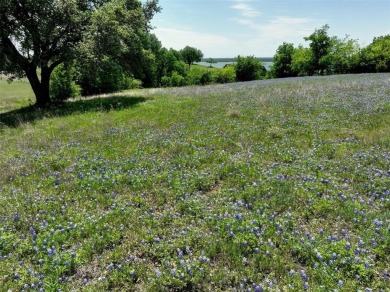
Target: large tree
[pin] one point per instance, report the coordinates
(376, 56)
(249, 68)
(281, 66)
(38, 35)
(191, 55)
(320, 45)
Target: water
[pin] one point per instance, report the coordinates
(267, 65)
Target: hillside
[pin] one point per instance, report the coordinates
(275, 184)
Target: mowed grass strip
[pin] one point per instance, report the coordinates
(277, 184)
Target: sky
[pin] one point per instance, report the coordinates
(228, 28)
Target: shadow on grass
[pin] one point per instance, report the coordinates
(30, 114)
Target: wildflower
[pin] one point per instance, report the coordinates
(303, 275)
(258, 288)
(158, 273)
(378, 223)
(306, 286)
(189, 271)
(110, 267)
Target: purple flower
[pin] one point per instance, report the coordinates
(378, 223)
(258, 288)
(110, 267)
(303, 275)
(306, 286)
(179, 253)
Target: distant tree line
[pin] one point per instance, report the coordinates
(67, 48)
(331, 55)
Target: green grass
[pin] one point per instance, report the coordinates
(15, 95)
(282, 184)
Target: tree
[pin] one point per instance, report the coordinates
(344, 55)
(249, 68)
(191, 55)
(211, 61)
(320, 44)
(281, 66)
(42, 34)
(62, 84)
(376, 56)
(301, 61)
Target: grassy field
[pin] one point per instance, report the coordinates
(15, 95)
(276, 185)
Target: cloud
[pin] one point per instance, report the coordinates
(278, 27)
(246, 10)
(284, 26)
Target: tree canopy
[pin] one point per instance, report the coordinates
(281, 66)
(249, 68)
(42, 34)
(191, 55)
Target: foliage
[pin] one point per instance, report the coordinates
(301, 61)
(39, 33)
(165, 81)
(249, 68)
(282, 60)
(102, 77)
(46, 33)
(320, 45)
(62, 83)
(199, 75)
(177, 79)
(376, 56)
(224, 75)
(344, 55)
(168, 61)
(211, 61)
(191, 55)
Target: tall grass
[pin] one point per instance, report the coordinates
(267, 185)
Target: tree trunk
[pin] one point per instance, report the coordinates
(41, 87)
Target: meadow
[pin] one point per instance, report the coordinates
(274, 185)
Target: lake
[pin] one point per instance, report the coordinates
(267, 65)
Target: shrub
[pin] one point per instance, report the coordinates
(104, 76)
(132, 83)
(199, 76)
(165, 81)
(62, 84)
(249, 68)
(225, 75)
(177, 79)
